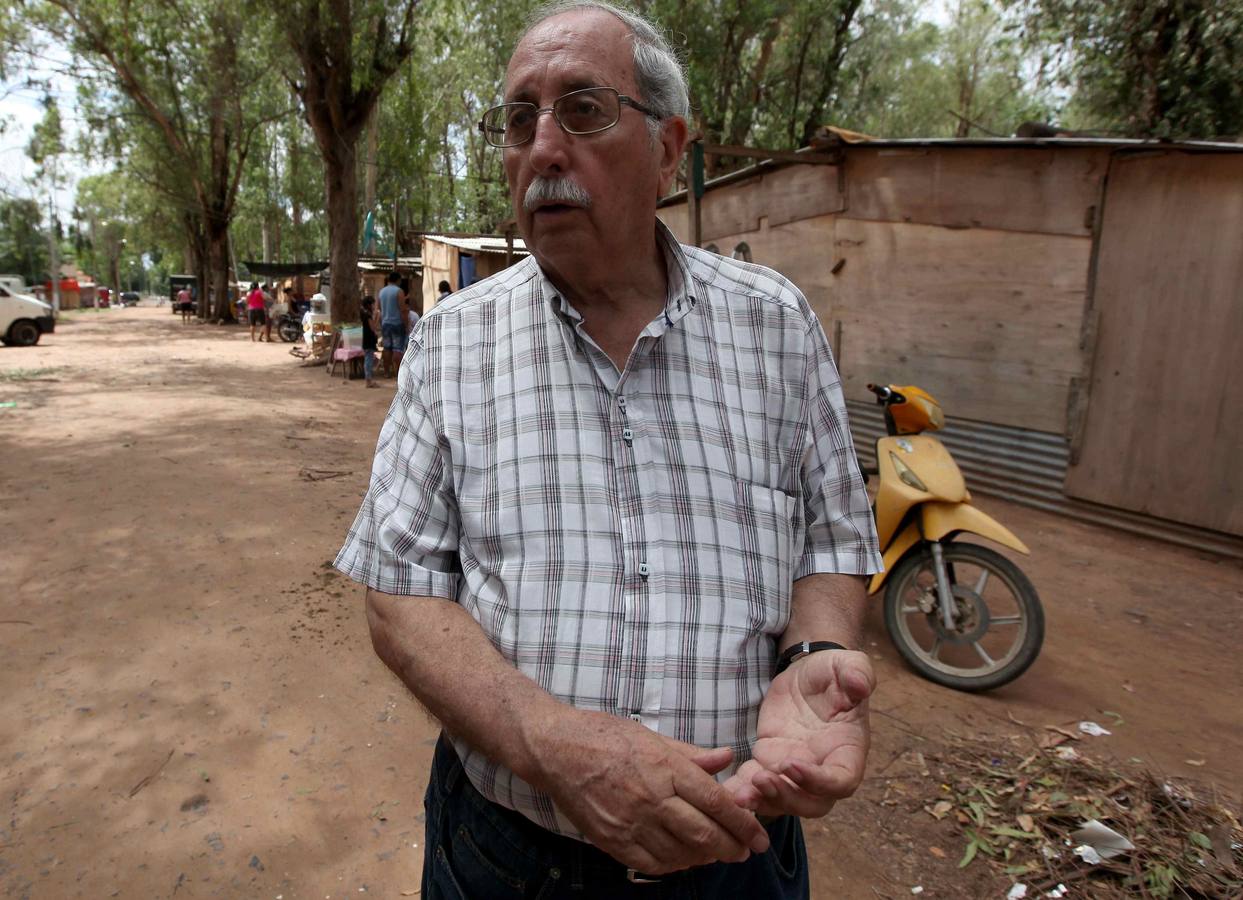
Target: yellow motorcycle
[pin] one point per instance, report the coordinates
(961, 614)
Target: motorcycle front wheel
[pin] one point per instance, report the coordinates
(998, 621)
(290, 331)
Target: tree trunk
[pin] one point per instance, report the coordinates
(196, 259)
(218, 253)
(341, 186)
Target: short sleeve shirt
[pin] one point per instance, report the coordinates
(628, 540)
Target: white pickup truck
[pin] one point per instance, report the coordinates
(23, 319)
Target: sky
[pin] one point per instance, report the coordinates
(21, 109)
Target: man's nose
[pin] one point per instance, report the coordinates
(549, 143)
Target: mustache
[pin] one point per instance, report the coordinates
(558, 189)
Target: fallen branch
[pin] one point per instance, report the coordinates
(321, 474)
(146, 781)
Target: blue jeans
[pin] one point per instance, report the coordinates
(368, 364)
(477, 850)
(394, 337)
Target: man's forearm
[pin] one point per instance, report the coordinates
(826, 608)
(444, 658)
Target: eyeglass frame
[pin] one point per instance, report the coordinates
(622, 100)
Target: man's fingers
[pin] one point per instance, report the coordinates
(701, 792)
(830, 781)
(710, 759)
(781, 794)
(850, 671)
(701, 837)
(714, 760)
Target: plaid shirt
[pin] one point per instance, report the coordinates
(627, 540)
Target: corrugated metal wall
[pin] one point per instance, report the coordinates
(1029, 467)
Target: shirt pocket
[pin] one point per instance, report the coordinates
(757, 560)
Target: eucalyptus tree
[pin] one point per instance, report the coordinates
(46, 147)
(1145, 68)
(23, 245)
(344, 52)
(191, 73)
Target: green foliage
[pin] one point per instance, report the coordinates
(23, 244)
(202, 105)
(1144, 68)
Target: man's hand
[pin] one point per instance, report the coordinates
(812, 739)
(647, 800)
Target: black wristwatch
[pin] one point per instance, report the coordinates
(801, 649)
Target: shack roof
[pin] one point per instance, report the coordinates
(479, 243)
(846, 141)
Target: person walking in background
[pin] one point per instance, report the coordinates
(268, 302)
(255, 310)
(185, 303)
(371, 322)
(394, 320)
(444, 289)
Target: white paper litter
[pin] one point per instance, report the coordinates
(1059, 891)
(1093, 729)
(1018, 892)
(1088, 854)
(1106, 842)
(918, 889)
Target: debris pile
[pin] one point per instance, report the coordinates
(1060, 824)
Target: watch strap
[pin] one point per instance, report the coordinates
(801, 649)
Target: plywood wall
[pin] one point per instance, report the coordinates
(1165, 411)
(963, 270)
(988, 321)
(1023, 189)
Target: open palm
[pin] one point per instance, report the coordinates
(812, 738)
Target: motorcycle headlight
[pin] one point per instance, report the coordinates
(906, 474)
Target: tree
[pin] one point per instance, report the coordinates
(23, 245)
(346, 50)
(47, 146)
(191, 74)
(1146, 68)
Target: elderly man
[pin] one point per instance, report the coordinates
(615, 527)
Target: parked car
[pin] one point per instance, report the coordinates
(129, 298)
(23, 319)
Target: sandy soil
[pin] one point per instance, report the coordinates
(191, 706)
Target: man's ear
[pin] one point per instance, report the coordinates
(673, 137)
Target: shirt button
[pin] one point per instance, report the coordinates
(643, 570)
(628, 436)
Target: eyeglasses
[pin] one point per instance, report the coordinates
(586, 111)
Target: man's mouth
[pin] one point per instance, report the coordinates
(556, 208)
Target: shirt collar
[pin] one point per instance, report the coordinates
(679, 299)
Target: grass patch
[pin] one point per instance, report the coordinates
(13, 376)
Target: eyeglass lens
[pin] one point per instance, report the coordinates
(579, 112)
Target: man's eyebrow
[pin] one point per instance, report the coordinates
(526, 95)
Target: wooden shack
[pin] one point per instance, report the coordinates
(1076, 306)
(373, 272)
(463, 259)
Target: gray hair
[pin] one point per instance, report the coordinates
(657, 71)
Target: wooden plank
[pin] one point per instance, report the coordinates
(1164, 426)
(788, 194)
(801, 251)
(988, 321)
(675, 217)
(1049, 191)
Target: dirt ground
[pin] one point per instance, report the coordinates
(191, 706)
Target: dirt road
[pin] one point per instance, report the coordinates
(191, 706)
